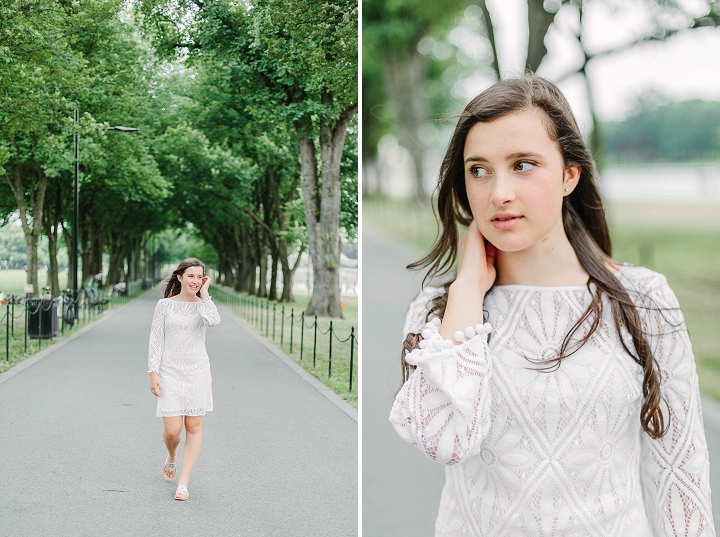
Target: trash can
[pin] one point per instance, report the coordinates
(42, 318)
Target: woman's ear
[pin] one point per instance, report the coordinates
(572, 176)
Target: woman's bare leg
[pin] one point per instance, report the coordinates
(172, 427)
(193, 441)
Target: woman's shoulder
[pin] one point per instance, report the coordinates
(643, 284)
(419, 308)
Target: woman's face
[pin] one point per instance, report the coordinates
(191, 280)
(516, 180)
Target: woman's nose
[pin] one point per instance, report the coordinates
(503, 191)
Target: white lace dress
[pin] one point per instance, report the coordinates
(562, 453)
(177, 353)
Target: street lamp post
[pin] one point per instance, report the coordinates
(76, 198)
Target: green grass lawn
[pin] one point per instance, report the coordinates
(282, 325)
(680, 241)
(12, 281)
(13, 346)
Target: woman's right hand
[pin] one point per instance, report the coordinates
(155, 386)
(476, 274)
(476, 262)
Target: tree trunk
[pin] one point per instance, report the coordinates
(539, 21)
(31, 219)
(262, 280)
(71, 260)
(402, 77)
(273, 276)
(288, 273)
(52, 215)
(490, 31)
(322, 211)
(117, 258)
(51, 231)
(91, 234)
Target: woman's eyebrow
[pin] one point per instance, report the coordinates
(511, 156)
(523, 154)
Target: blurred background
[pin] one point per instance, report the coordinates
(643, 78)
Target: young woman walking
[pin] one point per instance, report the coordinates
(179, 366)
(556, 384)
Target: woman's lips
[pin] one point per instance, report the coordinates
(505, 222)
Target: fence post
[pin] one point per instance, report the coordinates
(12, 322)
(352, 347)
(292, 326)
(26, 321)
(273, 322)
(302, 332)
(267, 318)
(315, 342)
(7, 335)
(39, 311)
(330, 334)
(282, 324)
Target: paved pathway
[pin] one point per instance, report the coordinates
(81, 452)
(401, 488)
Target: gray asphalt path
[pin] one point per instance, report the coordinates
(81, 450)
(401, 487)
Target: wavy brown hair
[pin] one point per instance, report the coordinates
(173, 285)
(583, 220)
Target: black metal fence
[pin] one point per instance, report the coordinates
(300, 335)
(47, 317)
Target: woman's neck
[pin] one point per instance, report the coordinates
(186, 297)
(551, 262)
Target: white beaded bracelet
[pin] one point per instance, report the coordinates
(432, 340)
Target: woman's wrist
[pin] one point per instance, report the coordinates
(464, 307)
(464, 285)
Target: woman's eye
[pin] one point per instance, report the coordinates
(478, 171)
(524, 166)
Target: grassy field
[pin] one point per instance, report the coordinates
(281, 324)
(680, 241)
(12, 281)
(13, 346)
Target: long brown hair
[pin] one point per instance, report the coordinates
(173, 285)
(583, 220)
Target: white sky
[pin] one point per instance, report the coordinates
(685, 66)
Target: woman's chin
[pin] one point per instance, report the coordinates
(508, 244)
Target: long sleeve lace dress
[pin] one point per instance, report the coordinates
(561, 453)
(177, 353)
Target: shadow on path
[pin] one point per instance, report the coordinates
(82, 451)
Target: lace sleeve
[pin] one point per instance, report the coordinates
(675, 468)
(157, 338)
(209, 312)
(443, 407)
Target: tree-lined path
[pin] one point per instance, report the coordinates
(82, 452)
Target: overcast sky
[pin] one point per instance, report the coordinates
(685, 66)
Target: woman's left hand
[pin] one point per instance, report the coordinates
(204, 293)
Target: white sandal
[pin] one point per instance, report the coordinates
(169, 470)
(182, 493)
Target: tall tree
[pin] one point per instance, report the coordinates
(395, 71)
(297, 61)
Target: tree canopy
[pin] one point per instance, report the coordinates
(225, 96)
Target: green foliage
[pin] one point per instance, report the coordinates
(214, 88)
(675, 132)
(391, 33)
(12, 244)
